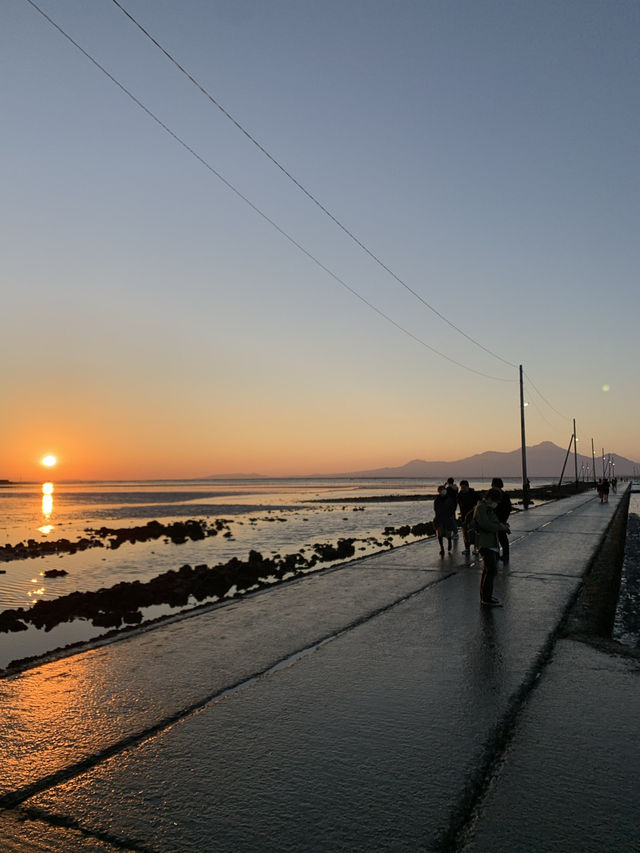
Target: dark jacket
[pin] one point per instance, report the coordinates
(504, 508)
(488, 526)
(467, 501)
(444, 507)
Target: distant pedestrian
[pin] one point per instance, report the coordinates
(488, 528)
(452, 491)
(467, 500)
(503, 511)
(614, 485)
(605, 490)
(444, 507)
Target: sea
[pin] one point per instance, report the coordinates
(272, 517)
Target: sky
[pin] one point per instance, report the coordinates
(176, 306)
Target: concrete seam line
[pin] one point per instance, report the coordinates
(19, 795)
(458, 838)
(65, 822)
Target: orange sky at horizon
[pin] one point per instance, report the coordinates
(143, 448)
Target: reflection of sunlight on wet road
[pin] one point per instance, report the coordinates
(34, 724)
(57, 715)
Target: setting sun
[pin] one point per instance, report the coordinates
(49, 461)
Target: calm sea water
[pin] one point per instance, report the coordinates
(270, 516)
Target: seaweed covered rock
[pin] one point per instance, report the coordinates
(123, 603)
(10, 621)
(341, 551)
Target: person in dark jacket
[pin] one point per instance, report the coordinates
(452, 491)
(488, 530)
(467, 499)
(444, 507)
(503, 511)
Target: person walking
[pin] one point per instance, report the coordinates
(503, 511)
(452, 491)
(488, 526)
(444, 507)
(467, 500)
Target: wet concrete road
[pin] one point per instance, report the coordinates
(356, 709)
(570, 779)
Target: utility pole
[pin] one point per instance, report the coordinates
(525, 480)
(593, 457)
(565, 459)
(575, 452)
(603, 474)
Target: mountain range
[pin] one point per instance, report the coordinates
(543, 460)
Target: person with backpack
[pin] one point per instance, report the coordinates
(487, 528)
(467, 500)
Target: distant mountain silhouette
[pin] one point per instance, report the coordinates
(234, 477)
(543, 460)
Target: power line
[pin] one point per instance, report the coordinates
(564, 417)
(304, 189)
(539, 411)
(256, 209)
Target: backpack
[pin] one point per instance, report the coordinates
(470, 523)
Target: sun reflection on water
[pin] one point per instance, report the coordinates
(47, 504)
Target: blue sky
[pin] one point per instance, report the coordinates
(155, 325)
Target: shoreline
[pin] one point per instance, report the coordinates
(549, 491)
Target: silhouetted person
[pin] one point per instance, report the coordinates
(503, 511)
(444, 507)
(452, 491)
(467, 500)
(488, 528)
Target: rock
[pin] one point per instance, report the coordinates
(10, 622)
